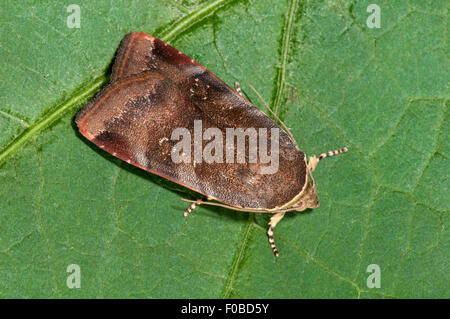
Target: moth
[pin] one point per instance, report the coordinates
(155, 89)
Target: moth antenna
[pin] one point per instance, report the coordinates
(313, 161)
(273, 222)
(332, 153)
(193, 205)
(287, 130)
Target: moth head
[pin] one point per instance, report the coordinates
(309, 197)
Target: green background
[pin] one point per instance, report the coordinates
(381, 92)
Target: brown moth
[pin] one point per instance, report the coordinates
(154, 89)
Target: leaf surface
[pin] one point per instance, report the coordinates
(334, 81)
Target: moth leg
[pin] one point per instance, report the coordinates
(238, 88)
(273, 222)
(194, 205)
(314, 160)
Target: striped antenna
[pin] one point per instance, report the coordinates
(332, 153)
(314, 160)
(272, 241)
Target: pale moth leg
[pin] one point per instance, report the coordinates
(238, 88)
(314, 160)
(194, 205)
(273, 222)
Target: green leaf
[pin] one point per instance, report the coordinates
(381, 92)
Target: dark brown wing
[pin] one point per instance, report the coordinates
(140, 52)
(134, 117)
